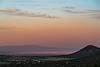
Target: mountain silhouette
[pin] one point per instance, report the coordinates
(87, 55)
(89, 50)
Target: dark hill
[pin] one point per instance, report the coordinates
(89, 50)
(88, 55)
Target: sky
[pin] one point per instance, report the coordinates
(49, 26)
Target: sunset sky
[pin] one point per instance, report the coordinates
(65, 25)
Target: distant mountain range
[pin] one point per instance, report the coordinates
(32, 50)
(88, 56)
(89, 50)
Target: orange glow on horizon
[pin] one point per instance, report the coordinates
(41, 30)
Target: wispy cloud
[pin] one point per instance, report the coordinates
(97, 16)
(3, 28)
(6, 28)
(91, 12)
(78, 11)
(69, 7)
(18, 12)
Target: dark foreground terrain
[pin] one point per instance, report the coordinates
(86, 57)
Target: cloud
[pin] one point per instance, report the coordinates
(73, 11)
(2, 28)
(69, 7)
(95, 13)
(96, 16)
(78, 11)
(9, 10)
(6, 28)
(18, 12)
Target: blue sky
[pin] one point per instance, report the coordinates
(26, 4)
(51, 7)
